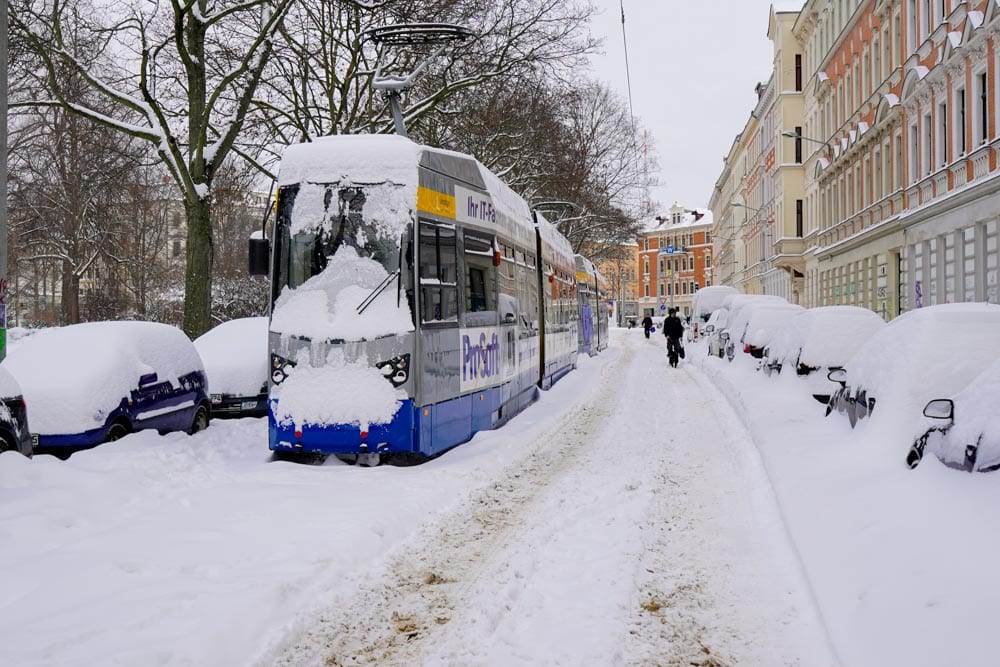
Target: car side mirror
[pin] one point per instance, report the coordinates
(710, 328)
(940, 408)
(838, 375)
(260, 256)
(723, 337)
(147, 379)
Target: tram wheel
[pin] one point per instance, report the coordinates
(369, 460)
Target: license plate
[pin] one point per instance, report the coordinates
(248, 405)
(34, 439)
(216, 398)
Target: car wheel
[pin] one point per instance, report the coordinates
(200, 421)
(117, 431)
(6, 445)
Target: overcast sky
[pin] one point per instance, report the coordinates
(693, 67)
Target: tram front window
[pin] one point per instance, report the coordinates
(332, 239)
(323, 220)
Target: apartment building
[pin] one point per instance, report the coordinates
(674, 260)
(904, 199)
(877, 156)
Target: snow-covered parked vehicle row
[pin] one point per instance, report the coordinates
(99, 381)
(904, 365)
(818, 340)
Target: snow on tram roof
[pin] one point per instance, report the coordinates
(352, 158)
(386, 158)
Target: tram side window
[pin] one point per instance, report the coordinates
(531, 277)
(438, 265)
(509, 307)
(480, 281)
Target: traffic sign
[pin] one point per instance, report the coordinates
(663, 306)
(670, 250)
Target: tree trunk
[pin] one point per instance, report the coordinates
(198, 272)
(70, 295)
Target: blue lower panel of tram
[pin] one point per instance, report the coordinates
(396, 436)
(427, 430)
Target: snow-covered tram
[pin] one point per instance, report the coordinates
(416, 300)
(592, 291)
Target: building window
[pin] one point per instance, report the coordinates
(942, 134)
(877, 176)
(928, 147)
(645, 243)
(914, 153)
(911, 25)
(646, 288)
(798, 145)
(177, 248)
(645, 267)
(961, 145)
(798, 218)
(898, 161)
(981, 108)
(798, 71)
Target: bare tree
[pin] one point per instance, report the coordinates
(184, 81)
(319, 81)
(66, 181)
(571, 151)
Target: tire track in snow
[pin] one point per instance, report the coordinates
(721, 583)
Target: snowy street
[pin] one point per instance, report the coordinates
(584, 532)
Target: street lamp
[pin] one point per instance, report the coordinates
(795, 135)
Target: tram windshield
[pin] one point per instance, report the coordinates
(337, 249)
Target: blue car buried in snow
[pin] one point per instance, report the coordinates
(99, 381)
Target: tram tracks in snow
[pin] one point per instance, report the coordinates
(686, 581)
(413, 596)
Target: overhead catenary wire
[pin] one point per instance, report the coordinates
(628, 75)
(640, 164)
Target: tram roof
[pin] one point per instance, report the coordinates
(373, 159)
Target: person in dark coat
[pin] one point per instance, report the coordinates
(647, 324)
(673, 329)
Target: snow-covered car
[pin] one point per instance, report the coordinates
(96, 382)
(751, 326)
(715, 325)
(920, 355)
(818, 340)
(706, 301)
(14, 433)
(236, 362)
(963, 431)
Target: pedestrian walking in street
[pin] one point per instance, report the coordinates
(647, 324)
(673, 329)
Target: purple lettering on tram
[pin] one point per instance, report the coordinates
(480, 359)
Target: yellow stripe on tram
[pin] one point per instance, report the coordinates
(436, 203)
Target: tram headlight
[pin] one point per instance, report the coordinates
(281, 368)
(396, 370)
